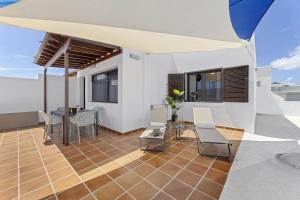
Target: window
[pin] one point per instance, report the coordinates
(204, 86)
(105, 87)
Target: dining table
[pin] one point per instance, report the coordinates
(61, 113)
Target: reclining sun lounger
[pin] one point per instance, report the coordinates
(154, 137)
(206, 132)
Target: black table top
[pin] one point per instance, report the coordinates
(61, 113)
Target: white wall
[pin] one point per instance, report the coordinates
(27, 95)
(133, 90)
(267, 101)
(20, 95)
(240, 115)
(56, 91)
(143, 82)
(113, 114)
(156, 70)
(291, 108)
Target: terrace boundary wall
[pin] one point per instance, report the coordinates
(22, 98)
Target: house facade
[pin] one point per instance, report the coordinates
(287, 92)
(128, 84)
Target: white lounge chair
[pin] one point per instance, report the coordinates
(206, 132)
(155, 135)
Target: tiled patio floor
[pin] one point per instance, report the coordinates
(109, 167)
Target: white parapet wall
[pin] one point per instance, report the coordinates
(24, 95)
(266, 101)
(270, 103)
(291, 108)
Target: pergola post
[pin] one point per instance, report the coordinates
(45, 90)
(66, 116)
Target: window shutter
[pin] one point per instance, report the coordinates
(175, 81)
(236, 84)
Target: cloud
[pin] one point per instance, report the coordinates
(292, 61)
(21, 56)
(289, 81)
(6, 69)
(285, 29)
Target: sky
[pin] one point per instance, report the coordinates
(278, 41)
(277, 45)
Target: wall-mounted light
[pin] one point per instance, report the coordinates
(135, 57)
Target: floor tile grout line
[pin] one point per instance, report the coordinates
(157, 169)
(75, 172)
(126, 191)
(124, 150)
(114, 180)
(195, 188)
(172, 178)
(18, 139)
(52, 187)
(192, 160)
(2, 138)
(36, 189)
(103, 172)
(145, 179)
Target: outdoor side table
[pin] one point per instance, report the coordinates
(155, 138)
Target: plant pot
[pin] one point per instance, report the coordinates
(174, 117)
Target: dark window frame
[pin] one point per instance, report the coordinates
(203, 96)
(108, 90)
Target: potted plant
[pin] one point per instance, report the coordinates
(174, 102)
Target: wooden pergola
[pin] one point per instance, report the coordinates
(68, 52)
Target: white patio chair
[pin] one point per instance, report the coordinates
(83, 119)
(158, 116)
(206, 132)
(155, 135)
(50, 120)
(61, 108)
(98, 114)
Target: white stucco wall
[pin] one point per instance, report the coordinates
(240, 115)
(27, 95)
(291, 108)
(113, 114)
(143, 81)
(267, 101)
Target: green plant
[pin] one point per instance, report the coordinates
(175, 100)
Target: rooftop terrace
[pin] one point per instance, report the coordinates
(111, 166)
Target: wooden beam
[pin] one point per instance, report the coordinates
(66, 116)
(89, 51)
(102, 59)
(91, 45)
(45, 90)
(109, 46)
(44, 42)
(62, 50)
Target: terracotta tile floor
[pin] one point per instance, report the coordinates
(111, 166)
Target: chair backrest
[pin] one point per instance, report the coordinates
(98, 108)
(84, 118)
(202, 115)
(159, 113)
(61, 108)
(46, 117)
(98, 111)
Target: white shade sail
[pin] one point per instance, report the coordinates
(154, 26)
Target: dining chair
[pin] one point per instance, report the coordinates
(83, 119)
(50, 120)
(98, 114)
